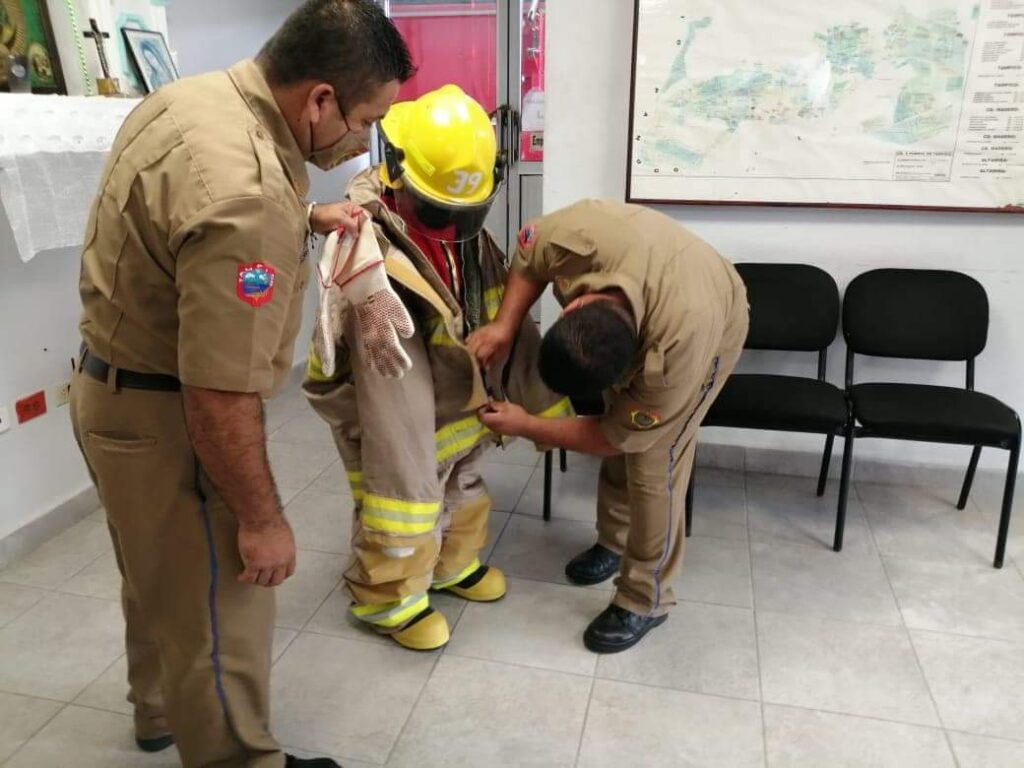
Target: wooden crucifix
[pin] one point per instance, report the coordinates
(106, 85)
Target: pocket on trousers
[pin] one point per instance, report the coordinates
(119, 442)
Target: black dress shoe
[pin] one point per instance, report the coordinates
(617, 629)
(155, 745)
(290, 761)
(593, 566)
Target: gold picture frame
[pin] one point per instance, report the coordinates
(25, 30)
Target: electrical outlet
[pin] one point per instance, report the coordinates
(62, 394)
(31, 407)
(5, 420)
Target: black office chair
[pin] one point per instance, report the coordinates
(793, 308)
(927, 315)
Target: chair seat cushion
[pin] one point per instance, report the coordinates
(788, 403)
(925, 412)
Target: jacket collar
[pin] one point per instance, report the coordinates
(252, 85)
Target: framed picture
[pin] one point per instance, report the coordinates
(25, 30)
(151, 57)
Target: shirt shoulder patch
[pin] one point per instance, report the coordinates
(256, 283)
(527, 235)
(644, 420)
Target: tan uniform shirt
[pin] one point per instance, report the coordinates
(680, 290)
(195, 253)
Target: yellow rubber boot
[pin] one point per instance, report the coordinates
(427, 632)
(485, 587)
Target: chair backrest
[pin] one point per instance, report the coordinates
(792, 306)
(921, 314)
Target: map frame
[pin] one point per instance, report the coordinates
(630, 197)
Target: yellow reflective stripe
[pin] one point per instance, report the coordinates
(469, 569)
(456, 437)
(559, 410)
(492, 300)
(470, 441)
(388, 515)
(355, 482)
(395, 614)
(439, 336)
(411, 508)
(383, 524)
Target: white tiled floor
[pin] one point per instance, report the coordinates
(904, 650)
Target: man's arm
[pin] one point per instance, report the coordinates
(227, 433)
(491, 344)
(582, 434)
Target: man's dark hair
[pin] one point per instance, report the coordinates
(350, 44)
(587, 351)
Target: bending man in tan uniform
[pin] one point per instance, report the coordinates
(654, 321)
(193, 277)
(413, 448)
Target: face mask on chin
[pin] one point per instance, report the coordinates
(347, 147)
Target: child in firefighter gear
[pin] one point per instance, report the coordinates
(412, 447)
(654, 323)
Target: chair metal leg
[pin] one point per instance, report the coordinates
(965, 492)
(826, 460)
(548, 462)
(563, 460)
(1004, 518)
(689, 502)
(844, 492)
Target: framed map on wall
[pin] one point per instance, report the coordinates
(864, 103)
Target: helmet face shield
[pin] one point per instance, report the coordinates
(432, 217)
(441, 221)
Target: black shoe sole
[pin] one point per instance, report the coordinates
(155, 745)
(598, 646)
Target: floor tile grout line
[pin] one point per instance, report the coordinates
(586, 717)
(413, 708)
(910, 640)
(986, 736)
(757, 634)
(24, 695)
(872, 718)
(21, 613)
(521, 665)
(92, 682)
(32, 738)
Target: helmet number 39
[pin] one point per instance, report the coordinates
(465, 183)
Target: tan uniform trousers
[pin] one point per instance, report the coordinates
(641, 497)
(199, 642)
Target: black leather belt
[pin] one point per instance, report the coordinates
(153, 382)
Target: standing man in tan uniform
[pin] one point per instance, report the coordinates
(193, 276)
(654, 322)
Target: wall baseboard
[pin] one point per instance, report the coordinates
(33, 535)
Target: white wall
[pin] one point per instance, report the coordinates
(585, 142)
(40, 467)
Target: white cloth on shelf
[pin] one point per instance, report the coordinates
(52, 153)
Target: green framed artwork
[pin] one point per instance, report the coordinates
(25, 30)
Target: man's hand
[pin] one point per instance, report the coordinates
(491, 344)
(334, 216)
(268, 552)
(505, 418)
